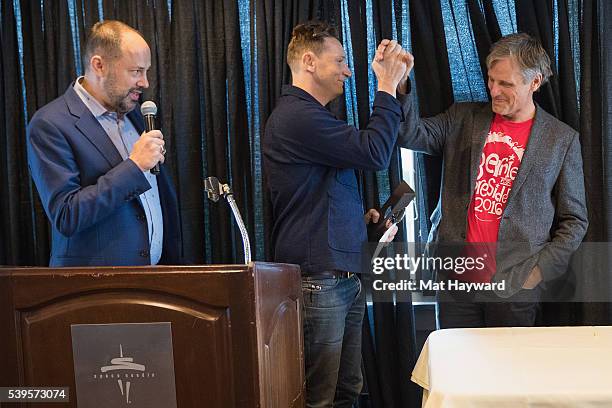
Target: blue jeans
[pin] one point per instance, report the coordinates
(333, 316)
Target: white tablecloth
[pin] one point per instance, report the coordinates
(517, 367)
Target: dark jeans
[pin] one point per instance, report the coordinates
(333, 315)
(460, 309)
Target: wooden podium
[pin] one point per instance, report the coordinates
(236, 329)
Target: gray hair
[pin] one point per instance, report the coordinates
(526, 51)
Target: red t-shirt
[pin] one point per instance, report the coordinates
(499, 164)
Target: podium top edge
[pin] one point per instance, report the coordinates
(219, 268)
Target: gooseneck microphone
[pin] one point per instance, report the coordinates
(149, 110)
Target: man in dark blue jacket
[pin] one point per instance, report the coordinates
(310, 158)
(90, 159)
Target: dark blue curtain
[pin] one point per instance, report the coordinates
(217, 72)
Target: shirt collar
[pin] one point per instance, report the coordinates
(298, 92)
(89, 100)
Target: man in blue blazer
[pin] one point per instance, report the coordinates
(309, 159)
(90, 159)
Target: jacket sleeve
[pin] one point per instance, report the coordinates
(570, 214)
(70, 206)
(427, 135)
(313, 135)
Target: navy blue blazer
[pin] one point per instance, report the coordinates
(310, 158)
(90, 194)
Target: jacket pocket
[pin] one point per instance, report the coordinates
(345, 225)
(347, 178)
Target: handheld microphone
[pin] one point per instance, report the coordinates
(149, 110)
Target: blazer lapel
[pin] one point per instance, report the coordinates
(482, 125)
(89, 126)
(535, 144)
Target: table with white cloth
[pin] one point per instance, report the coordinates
(517, 367)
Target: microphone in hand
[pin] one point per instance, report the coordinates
(149, 111)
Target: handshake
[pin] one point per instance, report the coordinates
(392, 65)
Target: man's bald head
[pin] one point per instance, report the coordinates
(105, 39)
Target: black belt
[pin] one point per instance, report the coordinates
(329, 275)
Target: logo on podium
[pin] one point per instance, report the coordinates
(141, 375)
(123, 364)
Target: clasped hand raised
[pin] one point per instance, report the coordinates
(392, 65)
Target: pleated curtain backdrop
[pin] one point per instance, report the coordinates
(596, 137)
(389, 336)
(20, 225)
(216, 77)
(435, 94)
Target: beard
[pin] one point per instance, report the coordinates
(120, 101)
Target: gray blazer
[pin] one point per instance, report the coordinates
(545, 217)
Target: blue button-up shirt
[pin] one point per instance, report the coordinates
(122, 133)
(310, 158)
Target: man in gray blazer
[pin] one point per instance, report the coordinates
(512, 179)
